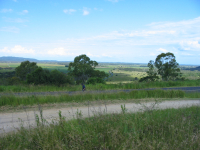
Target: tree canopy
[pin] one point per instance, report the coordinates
(165, 65)
(44, 76)
(83, 68)
(25, 68)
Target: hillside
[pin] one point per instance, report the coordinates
(21, 59)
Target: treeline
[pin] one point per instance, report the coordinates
(82, 70)
(32, 74)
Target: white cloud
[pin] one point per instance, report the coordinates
(15, 0)
(92, 55)
(6, 10)
(186, 54)
(4, 50)
(190, 45)
(85, 11)
(162, 50)
(158, 51)
(60, 51)
(10, 29)
(105, 55)
(185, 23)
(165, 34)
(69, 11)
(18, 49)
(57, 51)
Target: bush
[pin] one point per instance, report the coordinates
(39, 76)
(25, 68)
(95, 80)
(59, 78)
(43, 76)
(13, 80)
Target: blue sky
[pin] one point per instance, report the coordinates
(105, 30)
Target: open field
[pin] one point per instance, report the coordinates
(124, 73)
(151, 129)
(122, 129)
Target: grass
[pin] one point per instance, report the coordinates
(133, 85)
(33, 100)
(122, 72)
(156, 129)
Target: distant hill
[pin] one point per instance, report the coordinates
(21, 59)
(16, 59)
(193, 69)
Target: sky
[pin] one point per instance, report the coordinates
(133, 31)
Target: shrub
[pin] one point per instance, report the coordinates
(13, 80)
(95, 80)
(43, 76)
(59, 78)
(39, 76)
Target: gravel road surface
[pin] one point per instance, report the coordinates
(186, 89)
(10, 121)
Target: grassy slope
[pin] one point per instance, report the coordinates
(132, 85)
(157, 129)
(34, 100)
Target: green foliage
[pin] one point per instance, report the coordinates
(82, 68)
(158, 129)
(14, 81)
(94, 80)
(59, 78)
(44, 76)
(34, 100)
(99, 74)
(25, 68)
(39, 76)
(152, 74)
(98, 86)
(167, 66)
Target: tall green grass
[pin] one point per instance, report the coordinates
(158, 129)
(31, 100)
(134, 85)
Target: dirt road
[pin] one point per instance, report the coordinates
(10, 121)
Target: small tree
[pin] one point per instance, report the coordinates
(82, 68)
(58, 78)
(25, 68)
(39, 76)
(152, 73)
(44, 76)
(167, 66)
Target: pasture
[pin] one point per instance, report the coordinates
(120, 73)
(151, 129)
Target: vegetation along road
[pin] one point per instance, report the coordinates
(186, 89)
(10, 121)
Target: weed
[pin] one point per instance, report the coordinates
(123, 108)
(16, 101)
(162, 129)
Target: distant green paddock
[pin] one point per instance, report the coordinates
(123, 73)
(104, 69)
